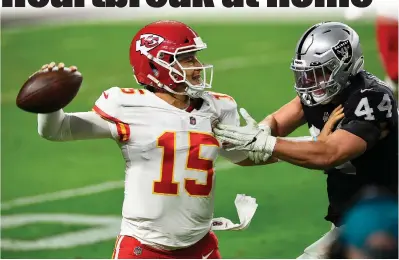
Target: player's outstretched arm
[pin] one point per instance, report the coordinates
(282, 122)
(366, 115)
(262, 158)
(337, 148)
(341, 146)
(60, 126)
(263, 146)
(285, 120)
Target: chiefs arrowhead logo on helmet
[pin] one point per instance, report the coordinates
(148, 42)
(154, 52)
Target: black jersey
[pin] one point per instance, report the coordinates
(368, 104)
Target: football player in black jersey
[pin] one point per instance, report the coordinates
(362, 150)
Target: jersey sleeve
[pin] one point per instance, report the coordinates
(365, 111)
(60, 126)
(229, 116)
(109, 107)
(108, 104)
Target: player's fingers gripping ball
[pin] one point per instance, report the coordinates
(60, 66)
(49, 89)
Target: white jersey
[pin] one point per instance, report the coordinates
(169, 155)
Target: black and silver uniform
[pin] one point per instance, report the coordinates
(369, 106)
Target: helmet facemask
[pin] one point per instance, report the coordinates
(327, 56)
(319, 83)
(181, 73)
(188, 69)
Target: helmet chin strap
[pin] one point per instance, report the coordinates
(160, 85)
(187, 92)
(174, 92)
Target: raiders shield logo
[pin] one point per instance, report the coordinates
(343, 51)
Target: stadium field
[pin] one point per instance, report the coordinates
(63, 200)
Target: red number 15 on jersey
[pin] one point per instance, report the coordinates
(166, 185)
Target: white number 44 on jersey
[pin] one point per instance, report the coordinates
(364, 109)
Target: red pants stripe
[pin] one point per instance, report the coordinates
(127, 247)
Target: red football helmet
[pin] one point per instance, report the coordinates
(153, 56)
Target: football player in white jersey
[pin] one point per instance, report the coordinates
(165, 133)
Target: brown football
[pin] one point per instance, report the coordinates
(47, 92)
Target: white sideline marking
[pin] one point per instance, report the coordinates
(64, 194)
(102, 228)
(87, 190)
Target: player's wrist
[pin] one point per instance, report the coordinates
(265, 143)
(265, 127)
(270, 144)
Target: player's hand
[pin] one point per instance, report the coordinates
(249, 138)
(336, 115)
(237, 135)
(60, 66)
(51, 66)
(259, 157)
